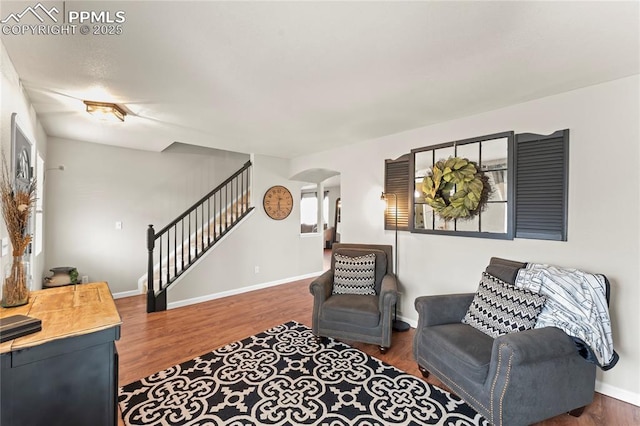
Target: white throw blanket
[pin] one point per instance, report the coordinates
(576, 303)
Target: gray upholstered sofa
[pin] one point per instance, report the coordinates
(354, 317)
(515, 379)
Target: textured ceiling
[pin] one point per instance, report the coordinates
(292, 78)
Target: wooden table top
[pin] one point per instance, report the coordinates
(65, 312)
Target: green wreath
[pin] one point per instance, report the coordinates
(470, 185)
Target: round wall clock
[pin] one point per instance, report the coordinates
(277, 202)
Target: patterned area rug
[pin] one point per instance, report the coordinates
(283, 377)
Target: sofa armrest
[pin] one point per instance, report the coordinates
(543, 368)
(442, 309)
(388, 292)
(322, 286)
(535, 345)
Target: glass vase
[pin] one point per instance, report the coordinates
(15, 288)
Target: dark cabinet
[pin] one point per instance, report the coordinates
(69, 376)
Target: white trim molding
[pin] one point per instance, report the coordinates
(213, 296)
(122, 294)
(413, 323)
(617, 393)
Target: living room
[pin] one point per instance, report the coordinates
(534, 83)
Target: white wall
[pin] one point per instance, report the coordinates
(274, 246)
(103, 184)
(604, 209)
(14, 99)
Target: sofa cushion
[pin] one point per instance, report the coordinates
(499, 308)
(352, 308)
(354, 275)
(504, 269)
(461, 347)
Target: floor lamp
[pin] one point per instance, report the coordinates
(398, 325)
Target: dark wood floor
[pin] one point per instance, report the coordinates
(152, 342)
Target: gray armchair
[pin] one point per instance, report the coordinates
(515, 379)
(361, 318)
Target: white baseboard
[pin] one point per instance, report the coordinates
(413, 323)
(126, 294)
(617, 393)
(199, 299)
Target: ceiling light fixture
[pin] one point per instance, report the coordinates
(105, 110)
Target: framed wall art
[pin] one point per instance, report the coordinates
(21, 155)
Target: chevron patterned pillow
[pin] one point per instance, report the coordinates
(499, 308)
(354, 275)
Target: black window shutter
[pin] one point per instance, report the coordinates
(541, 185)
(396, 181)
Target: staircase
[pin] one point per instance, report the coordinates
(177, 246)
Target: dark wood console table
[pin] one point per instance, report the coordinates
(66, 374)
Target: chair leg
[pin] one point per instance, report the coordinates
(577, 412)
(383, 349)
(423, 371)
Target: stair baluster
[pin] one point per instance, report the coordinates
(231, 199)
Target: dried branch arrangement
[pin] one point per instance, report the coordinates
(17, 204)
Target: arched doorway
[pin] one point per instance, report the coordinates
(319, 215)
